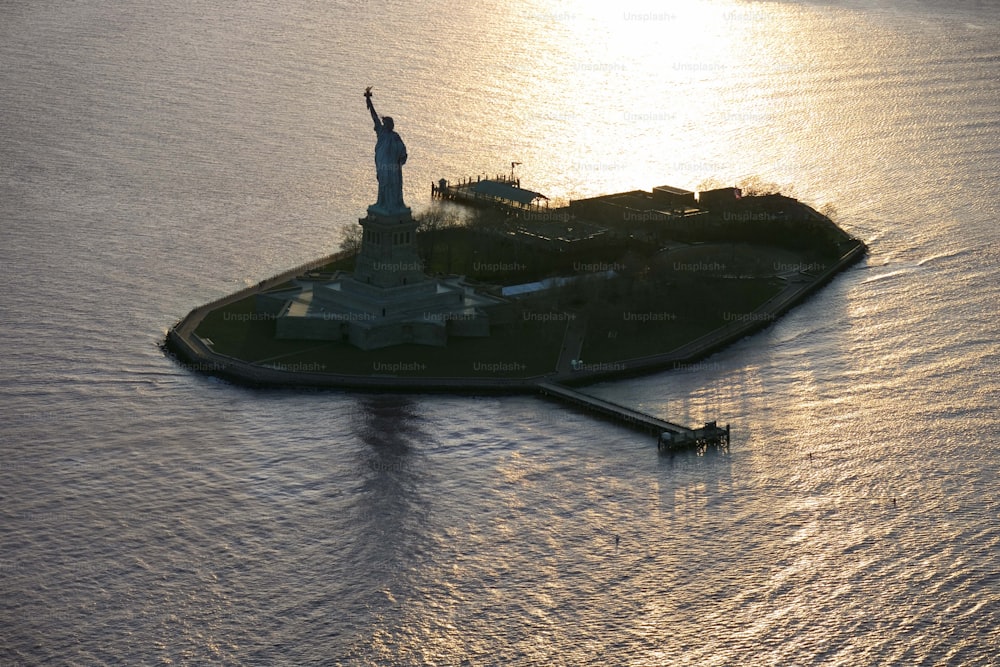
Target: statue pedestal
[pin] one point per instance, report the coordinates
(378, 211)
(388, 256)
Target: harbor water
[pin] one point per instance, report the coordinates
(157, 156)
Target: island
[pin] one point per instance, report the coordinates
(522, 296)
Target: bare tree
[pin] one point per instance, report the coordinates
(351, 243)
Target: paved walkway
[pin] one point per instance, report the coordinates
(576, 331)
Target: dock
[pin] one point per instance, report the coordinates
(669, 436)
(502, 192)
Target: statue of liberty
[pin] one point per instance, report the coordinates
(390, 156)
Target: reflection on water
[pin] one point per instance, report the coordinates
(151, 515)
(388, 509)
(387, 423)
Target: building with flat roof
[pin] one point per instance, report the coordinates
(642, 214)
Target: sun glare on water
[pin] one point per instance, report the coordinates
(619, 96)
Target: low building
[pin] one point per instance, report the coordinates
(720, 199)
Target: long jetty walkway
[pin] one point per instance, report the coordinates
(670, 436)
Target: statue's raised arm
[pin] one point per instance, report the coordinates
(390, 156)
(371, 108)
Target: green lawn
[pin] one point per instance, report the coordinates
(679, 314)
(345, 263)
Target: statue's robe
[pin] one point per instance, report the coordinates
(390, 156)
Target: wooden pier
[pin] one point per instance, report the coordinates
(670, 436)
(502, 192)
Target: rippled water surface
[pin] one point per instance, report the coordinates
(157, 156)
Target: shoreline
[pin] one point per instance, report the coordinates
(192, 352)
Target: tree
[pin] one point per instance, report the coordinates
(351, 243)
(755, 186)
